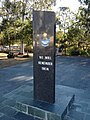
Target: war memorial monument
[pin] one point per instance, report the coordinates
(47, 102)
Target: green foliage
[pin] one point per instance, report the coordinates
(43, 4)
(16, 20)
(26, 31)
(17, 26)
(28, 48)
(83, 52)
(88, 51)
(59, 37)
(12, 26)
(73, 51)
(78, 35)
(10, 55)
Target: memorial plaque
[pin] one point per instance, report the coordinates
(44, 55)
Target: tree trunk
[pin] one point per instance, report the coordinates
(22, 43)
(22, 48)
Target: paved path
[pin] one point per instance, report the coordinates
(73, 72)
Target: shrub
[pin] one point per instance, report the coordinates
(75, 52)
(10, 55)
(82, 52)
(26, 56)
(20, 53)
(28, 49)
(88, 51)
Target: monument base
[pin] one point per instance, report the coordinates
(46, 111)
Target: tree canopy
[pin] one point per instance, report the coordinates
(16, 25)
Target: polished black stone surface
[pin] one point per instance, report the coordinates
(44, 56)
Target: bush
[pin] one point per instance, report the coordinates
(26, 56)
(82, 52)
(75, 52)
(10, 55)
(88, 51)
(20, 53)
(28, 49)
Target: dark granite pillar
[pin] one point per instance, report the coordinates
(44, 55)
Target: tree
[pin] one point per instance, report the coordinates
(64, 20)
(1, 38)
(7, 20)
(43, 4)
(78, 35)
(30, 5)
(87, 12)
(16, 19)
(59, 38)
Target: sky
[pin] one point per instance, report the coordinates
(73, 4)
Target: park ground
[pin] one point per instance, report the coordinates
(5, 62)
